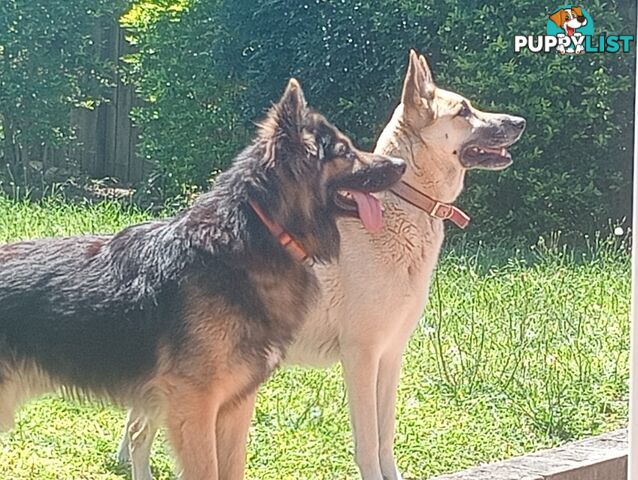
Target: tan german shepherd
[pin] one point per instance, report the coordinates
(374, 296)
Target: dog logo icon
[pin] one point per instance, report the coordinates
(570, 24)
(570, 30)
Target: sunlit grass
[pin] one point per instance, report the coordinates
(518, 350)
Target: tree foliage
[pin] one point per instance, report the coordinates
(216, 65)
(207, 69)
(190, 124)
(49, 63)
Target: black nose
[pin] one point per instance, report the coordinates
(582, 19)
(398, 164)
(519, 123)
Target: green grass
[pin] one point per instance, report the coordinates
(517, 350)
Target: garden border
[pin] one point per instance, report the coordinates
(597, 458)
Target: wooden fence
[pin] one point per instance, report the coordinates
(106, 136)
(106, 139)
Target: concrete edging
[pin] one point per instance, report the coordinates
(597, 458)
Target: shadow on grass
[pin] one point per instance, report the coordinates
(123, 471)
(112, 465)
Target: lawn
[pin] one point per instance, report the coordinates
(518, 349)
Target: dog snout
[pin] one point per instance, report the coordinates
(380, 171)
(518, 123)
(393, 168)
(397, 164)
(390, 165)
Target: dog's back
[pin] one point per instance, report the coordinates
(64, 305)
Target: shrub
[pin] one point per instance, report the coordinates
(190, 127)
(210, 68)
(49, 63)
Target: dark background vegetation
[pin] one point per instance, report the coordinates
(206, 70)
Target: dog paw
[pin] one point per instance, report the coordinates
(123, 456)
(390, 471)
(393, 476)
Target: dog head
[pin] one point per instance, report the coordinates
(445, 133)
(569, 19)
(319, 175)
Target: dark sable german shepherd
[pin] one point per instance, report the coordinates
(182, 319)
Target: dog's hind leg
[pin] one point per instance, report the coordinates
(191, 429)
(136, 444)
(9, 403)
(16, 388)
(387, 384)
(360, 368)
(123, 450)
(233, 423)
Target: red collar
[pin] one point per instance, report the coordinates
(293, 247)
(434, 208)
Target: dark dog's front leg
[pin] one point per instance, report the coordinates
(233, 423)
(191, 430)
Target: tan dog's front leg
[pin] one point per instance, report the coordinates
(579, 47)
(387, 384)
(360, 369)
(233, 423)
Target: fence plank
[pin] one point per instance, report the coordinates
(136, 162)
(107, 139)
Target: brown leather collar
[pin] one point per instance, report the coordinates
(293, 247)
(432, 207)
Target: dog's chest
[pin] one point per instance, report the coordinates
(390, 273)
(377, 290)
(287, 296)
(409, 241)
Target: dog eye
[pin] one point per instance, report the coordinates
(464, 111)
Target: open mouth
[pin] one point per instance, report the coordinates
(361, 205)
(352, 194)
(490, 158)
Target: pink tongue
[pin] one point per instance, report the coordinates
(369, 211)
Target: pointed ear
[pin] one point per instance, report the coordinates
(286, 117)
(429, 80)
(418, 84)
(293, 102)
(558, 18)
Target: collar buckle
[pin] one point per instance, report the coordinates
(430, 206)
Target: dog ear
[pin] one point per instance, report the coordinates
(418, 88)
(578, 11)
(559, 18)
(418, 84)
(286, 117)
(292, 105)
(429, 79)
